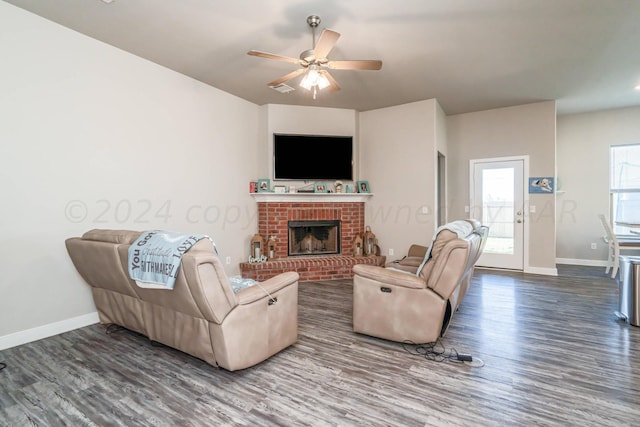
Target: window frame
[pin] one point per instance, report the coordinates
(616, 192)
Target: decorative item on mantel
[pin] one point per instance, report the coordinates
(337, 187)
(281, 189)
(320, 187)
(357, 246)
(264, 185)
(369, 241)
(257, 249)
(363, 187)
(271, 247)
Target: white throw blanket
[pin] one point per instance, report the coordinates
(460, 227)
(155, 256)
(239, 283)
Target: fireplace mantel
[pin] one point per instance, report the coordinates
(311, 197)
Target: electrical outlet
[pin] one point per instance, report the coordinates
(466, 209)
(228, 260)
(594, 246)
(390, 252)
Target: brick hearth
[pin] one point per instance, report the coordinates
(273, 218)
(319, 267)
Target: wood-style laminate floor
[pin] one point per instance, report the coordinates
(554, 354)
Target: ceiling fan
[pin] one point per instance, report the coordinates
(314, 62)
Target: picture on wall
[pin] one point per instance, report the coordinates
(542, 185)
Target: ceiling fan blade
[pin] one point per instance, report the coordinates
(273, 56)
(355, 65)
(289, 76)
(327, 40)
(333, 84)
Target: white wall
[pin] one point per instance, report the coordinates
(93, 137)
(441, 146)
(306, 121)
(397, 157)
(583, 174)
(441, 129)
(515, 131)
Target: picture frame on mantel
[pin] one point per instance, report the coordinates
(320, 187)
(264, 185)
(363, 186)
(280, 189)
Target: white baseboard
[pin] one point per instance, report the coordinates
(529, 270)
(541, 270)
(587, 262)
(35, 334)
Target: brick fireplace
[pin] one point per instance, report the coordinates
(276, 212)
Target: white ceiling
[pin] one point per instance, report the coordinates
(471, 55)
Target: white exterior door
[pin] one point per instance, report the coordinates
(497, 200)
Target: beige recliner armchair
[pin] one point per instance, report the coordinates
(201, 316)
(415, 298)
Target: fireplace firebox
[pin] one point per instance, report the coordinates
(314, 237)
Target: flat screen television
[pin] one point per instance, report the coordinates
(312, 157)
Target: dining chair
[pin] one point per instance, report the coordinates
(616, 244)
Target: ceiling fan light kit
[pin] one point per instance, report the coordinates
(313, 62)
(315, 80)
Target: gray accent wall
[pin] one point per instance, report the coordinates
(515, 131)
(398, 157)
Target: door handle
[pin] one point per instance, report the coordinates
(519, 221)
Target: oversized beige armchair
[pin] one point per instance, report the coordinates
(415, 299)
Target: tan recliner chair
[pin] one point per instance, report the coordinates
(201, 316)
(414, 300)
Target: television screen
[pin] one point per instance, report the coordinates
(312, 157)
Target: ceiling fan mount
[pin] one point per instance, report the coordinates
(313, 62)
(313, 20)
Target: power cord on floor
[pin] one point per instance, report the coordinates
(437, 352)
(2, 365)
